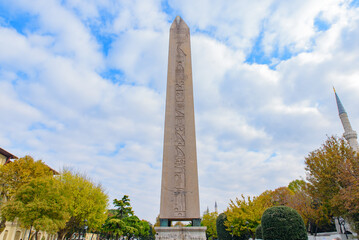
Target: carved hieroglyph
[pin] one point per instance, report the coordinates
(180, 233)
(179, 191)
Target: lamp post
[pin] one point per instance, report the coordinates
(85, 228)
(341, 222)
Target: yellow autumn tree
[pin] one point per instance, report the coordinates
(87, 203)
(209, 220)
(244, 214)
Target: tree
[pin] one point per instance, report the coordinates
(333, 174)
(87, 203)
(346, 202)
(123, 222)
(114, 227)
(179, 224)
(244, 215)
(223, 233)
(314, 215)
(296, 185)
(157, 222)
(124, 208)
(16, 174)
(209, 220)
(322, 166)
(40, 204)
(19, 172)
(281, 196)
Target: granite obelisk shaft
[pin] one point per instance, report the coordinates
(179, 190)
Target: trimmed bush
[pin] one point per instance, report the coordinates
(222, 233)
(283, 223)
(259, 234)
(221, 229)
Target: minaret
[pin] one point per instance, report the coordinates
(215, 207)
(349, 134)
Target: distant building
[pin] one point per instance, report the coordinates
(5, 157)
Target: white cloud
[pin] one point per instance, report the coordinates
(142, 56)
(254, 123)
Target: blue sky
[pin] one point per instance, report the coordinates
(83, 86)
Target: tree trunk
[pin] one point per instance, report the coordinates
(2, 225)
(29, 233)
(36, 235)
(61, 234)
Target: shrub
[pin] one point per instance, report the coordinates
(283, 223)
(221, 229)
(259, 234)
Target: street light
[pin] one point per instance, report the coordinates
(85, 228)
(341, 222)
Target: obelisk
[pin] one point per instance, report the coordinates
(179, 190)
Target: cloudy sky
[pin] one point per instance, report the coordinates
(82, 85)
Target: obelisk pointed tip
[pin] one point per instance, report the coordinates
(178, 23)
(178, 20)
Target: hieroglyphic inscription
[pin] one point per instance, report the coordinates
(180, 234)
(180, 131)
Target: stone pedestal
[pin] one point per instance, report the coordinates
(180, 233)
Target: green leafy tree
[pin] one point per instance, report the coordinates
(40, 204)
(151, 233)
(16, 174)
(209, 220)
(114, 227)
(123, 222)
(136, 227)
(19, 172)
(145, 230)
(124, 208)
(297, 185)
